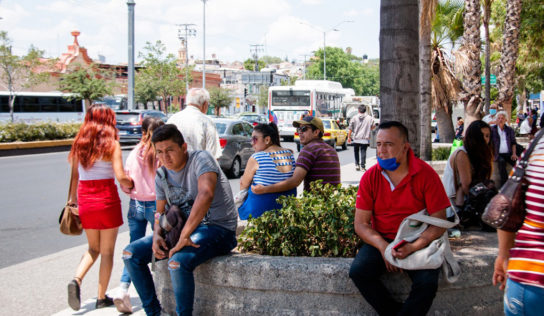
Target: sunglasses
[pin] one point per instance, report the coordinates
(254, 139)
(303, 129)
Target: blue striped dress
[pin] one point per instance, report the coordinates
(267, 174)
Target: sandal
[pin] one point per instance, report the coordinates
(74, 294)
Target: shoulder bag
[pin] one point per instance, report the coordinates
(506, 211)
(69, 221)
(436, 254)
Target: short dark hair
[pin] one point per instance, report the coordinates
(270, 130)
(389, 124)
(167, 132)
(362, 109)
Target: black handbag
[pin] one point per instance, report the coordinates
(506, 211)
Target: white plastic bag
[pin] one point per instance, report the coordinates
(525, 128)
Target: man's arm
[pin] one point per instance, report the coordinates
(430, 234)
(364, 229)
(201, 205)
(158, 242)
(288, 184)
(212, 141)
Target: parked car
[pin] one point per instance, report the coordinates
(334, 135)
(235, 141)
(253, 118)
(129, 123)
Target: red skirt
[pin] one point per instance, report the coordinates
(99, 204)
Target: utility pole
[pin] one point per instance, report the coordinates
(255, 49)
(130, 88)
(189, 31)
(204, 44)
(304, 67)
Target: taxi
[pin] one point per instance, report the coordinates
(334, 135)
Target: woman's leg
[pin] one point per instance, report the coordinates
(107, 247)
(89, 257)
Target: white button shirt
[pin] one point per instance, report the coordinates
(197, 129)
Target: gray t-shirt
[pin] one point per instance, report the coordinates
(184, 184)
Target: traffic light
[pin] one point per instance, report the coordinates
(245, 92)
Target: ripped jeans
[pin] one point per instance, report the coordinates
(213, 240)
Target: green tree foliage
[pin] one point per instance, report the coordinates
(348, 70)
(263, 97)
(318, 224)
(219, 98)
(160, 75)
(271, 60)
(249, 64)
(86, 83)
(18, 73)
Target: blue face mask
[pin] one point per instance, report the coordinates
(492, 111)
(389, 164)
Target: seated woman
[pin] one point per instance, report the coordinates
(268, 165)
(469, 164)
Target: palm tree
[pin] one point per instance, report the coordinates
(426, 14)
(487, 16)
(399, 67)
(447, 29)
(509, 54)
(471, 64)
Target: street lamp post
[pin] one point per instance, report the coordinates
(189, 31)
(130, 88)
(204, 44)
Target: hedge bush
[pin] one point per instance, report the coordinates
(318, 224)
(23, 132)
(441, 153)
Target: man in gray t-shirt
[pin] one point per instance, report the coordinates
(208, 232)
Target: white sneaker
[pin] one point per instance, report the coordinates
(122, 302)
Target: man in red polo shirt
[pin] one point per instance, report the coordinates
(399, 185)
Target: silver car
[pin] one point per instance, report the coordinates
(235, 141)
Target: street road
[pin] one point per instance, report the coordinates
(33, 189)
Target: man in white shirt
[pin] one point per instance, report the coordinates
(491, 117)
(359, 134)
(197, 128)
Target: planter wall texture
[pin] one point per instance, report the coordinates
(245, 284)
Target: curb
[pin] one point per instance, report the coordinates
(36, 144)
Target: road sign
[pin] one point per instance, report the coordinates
(492, 79)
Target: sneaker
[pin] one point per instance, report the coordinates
(74, 298)
(105, 302)
(357, 168)
(122, 302)
(363, 168)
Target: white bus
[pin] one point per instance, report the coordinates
(32, 107)
(319, 98)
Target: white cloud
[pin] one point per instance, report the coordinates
(311, 2)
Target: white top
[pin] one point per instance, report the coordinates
(98, 171)
(198, 130)
(448, 177)
(503, 148)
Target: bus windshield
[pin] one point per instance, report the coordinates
(291, 98)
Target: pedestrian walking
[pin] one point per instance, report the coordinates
(360, 127)
(141, 165)
(96, 160)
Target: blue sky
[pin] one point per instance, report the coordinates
(282, 26)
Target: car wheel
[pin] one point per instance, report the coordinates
(345, 145)
(236, 168)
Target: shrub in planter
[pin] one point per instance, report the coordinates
(320, 223)
(441, 153)
(12, 132)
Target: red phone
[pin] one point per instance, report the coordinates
(400, 244)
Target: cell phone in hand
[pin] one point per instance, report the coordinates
(400, 244)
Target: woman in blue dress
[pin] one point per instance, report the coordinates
(268, 165)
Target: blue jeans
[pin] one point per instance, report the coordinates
(365, 271)
(213, 240)
(522, 299)
(139, 214)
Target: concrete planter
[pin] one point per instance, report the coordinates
(246, 284)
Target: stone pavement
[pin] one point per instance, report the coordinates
(38, 286)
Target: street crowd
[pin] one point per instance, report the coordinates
(176, 185)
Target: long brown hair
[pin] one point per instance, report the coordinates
(149, 124)
(96, 137)
(479, 152)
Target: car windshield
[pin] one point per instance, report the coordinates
(127, 117)
(221, 128)
(250, 118)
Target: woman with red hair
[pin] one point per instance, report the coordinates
(96, 160)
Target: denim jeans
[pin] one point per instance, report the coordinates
(522, 299)
(360, 148)
(139, 214)
(365, 271)
(213, 241)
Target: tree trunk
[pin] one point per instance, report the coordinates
(399, 65)
(87, 104)
(487, 15)
(445, 124)
(509, 55)
(425, 87)
(11, 105)
(472, 87)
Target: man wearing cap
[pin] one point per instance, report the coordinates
(316, 161)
